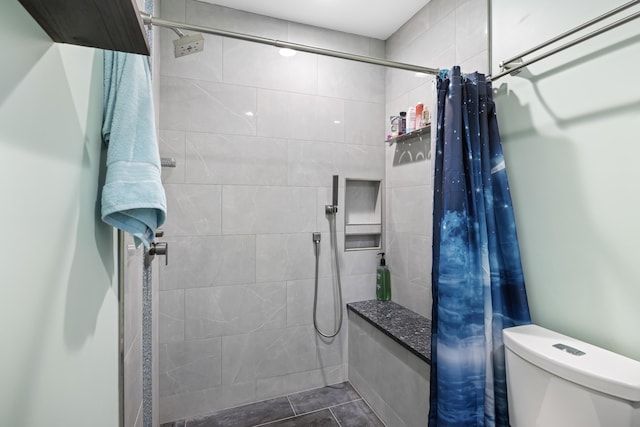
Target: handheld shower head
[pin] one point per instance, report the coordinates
(333, 208)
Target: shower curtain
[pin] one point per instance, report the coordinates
(477, 280)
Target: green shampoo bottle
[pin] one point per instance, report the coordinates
(383, 280)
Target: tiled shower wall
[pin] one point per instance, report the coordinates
(442, 34)
(257, 137)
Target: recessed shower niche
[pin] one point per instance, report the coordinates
(362, 215)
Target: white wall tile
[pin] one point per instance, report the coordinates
(172, 144)
(393, 382)
(364, 123)
(325, 197)
(411, 209)
(407, 174)
(235, 159)
(412, 296)
(398, 257)
(328, 39)
(359, 287)
(313, 163)
(300, 296)
(190, 366)
(300, 300)
(446, 58)
(288, 257)
(471, 29)
(193, 210)
(179, 406)
(377, 48)
(200, 106)
(204, 402)
(332, 351)
(438, 39)
(224, 18)
(340, 78)
(228, 310)
(398, 83)
(173, 9)
(268, 354)
(440, 10)
(208, 261)
(419, 264)
(171, 316)
(230, 395)
(478, 63)
(356, 262)
(402, 39)
(291, 383)
(248, 210)
(297, 116)
(257, 65)
(205, 65)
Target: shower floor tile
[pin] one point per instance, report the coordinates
(325, 397)
(336, 405)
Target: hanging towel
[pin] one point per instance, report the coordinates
(133, 198)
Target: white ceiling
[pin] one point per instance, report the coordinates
(371, 18)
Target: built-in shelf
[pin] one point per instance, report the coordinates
(111, 25)
(410, 135)
(353, 229)
(363, 215)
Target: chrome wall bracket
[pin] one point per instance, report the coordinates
(515, 63)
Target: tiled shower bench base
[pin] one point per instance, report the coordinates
(389, 361)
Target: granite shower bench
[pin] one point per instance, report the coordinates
(389, 360)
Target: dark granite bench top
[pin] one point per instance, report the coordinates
(406, 327)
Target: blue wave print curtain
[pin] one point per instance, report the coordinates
(477, 280)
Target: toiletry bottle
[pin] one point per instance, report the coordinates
(383, 280)
(411, 119)
(395, 125)
(426, 117)
(419, 121)
(403, 123)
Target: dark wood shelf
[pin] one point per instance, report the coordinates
(104, 24)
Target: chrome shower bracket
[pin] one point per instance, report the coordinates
(330, 209)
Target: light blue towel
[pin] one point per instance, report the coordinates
(133, 198)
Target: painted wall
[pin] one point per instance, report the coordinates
(236, 298)
(58, 299)
(569, 132)
(442, 34)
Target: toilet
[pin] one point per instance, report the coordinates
(557, 381)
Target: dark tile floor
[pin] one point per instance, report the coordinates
(337, 405)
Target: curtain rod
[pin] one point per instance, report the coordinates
(158, 22)
(514, 64)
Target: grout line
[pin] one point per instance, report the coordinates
(291, 404)
(345, 403)
(334, 417)
(289, 418)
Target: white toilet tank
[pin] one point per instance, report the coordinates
(557, 381)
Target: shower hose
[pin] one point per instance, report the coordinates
(334, 244)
